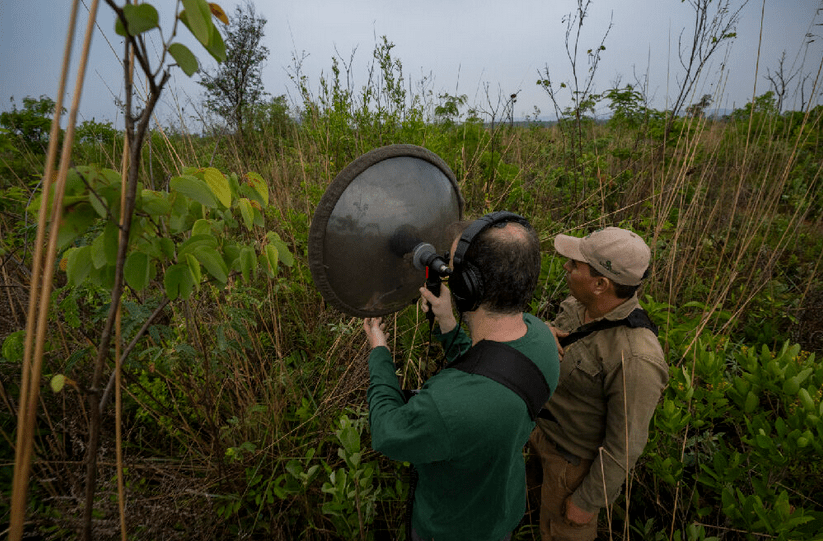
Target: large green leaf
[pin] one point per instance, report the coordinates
(219, 185)
(178, 281)
(246, 212)
(216, 46)
(76, 221)
(155, 203)
(139, 18)
(112, 240)
(285, 255)
(79, 264)
(184, 58)
(271, 260)
(201, 227)
(195, 189)
(247, 262)
(98, 251)
(166, 246)
(194, 267)
(260, 186)
(213, 262)
(98, 204)
(194, 242)
(137, 270)
(197, 17)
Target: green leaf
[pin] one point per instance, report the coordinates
(195, 242)
(79, 264)
(178, 281)
(247, 261)
(155, 203)
(184, 58)
(202, 227)
(195, 189)
(98, 205)
(806, 400)
(58, 381)
(194, 267)
(272, 258)
(137, 270)
(216, 46)
(98, 251)
(284, 254)
(13, 348)
(219, 185)
(111, 242)
(197, 17)
(259, 185)
(140, 18)
(166, 246)
(246, 212)
(212, 261)
(76, 221)
(752, 401)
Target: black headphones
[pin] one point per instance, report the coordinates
(466, 280)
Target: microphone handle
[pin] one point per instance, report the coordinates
(433, 282)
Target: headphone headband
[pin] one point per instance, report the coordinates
(466, 282)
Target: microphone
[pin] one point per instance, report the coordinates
(406, 240)
(424, 256)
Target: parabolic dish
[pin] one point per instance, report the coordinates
(369, 219)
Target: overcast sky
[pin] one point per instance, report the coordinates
(459, 46)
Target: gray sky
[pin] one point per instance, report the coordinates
(459, 46)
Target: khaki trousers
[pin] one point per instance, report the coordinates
(560, 479)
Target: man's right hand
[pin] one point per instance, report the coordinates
(441, 307)
(558, 334)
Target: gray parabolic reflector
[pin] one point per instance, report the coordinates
(368, 220)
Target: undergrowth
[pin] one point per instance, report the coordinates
(244, 404)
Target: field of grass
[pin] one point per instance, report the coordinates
(240, 411)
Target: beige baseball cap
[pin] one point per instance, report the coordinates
(617, 254)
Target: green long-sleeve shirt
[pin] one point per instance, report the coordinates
(465, 435)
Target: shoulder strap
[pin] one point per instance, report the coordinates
(638, 318)
(509, 367)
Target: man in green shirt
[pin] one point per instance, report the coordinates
(464, 432)
(596, 425)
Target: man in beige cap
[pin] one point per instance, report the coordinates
(612, 373)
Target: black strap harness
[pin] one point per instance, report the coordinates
(507, 366)
(637, 319)
(512, 369)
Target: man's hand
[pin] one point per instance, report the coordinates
(375, 331)
(441, 307)
(558, 334)
(576, 516)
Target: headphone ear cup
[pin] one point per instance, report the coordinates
(467, 287)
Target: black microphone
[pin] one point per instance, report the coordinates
(424, 255)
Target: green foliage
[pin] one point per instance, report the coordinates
(351, 490)
(177, 234)
(29, 127)
(748, 422)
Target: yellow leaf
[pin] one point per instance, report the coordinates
(218, 12)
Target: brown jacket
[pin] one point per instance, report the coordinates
(610, 383)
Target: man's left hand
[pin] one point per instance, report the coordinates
(375, 331)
